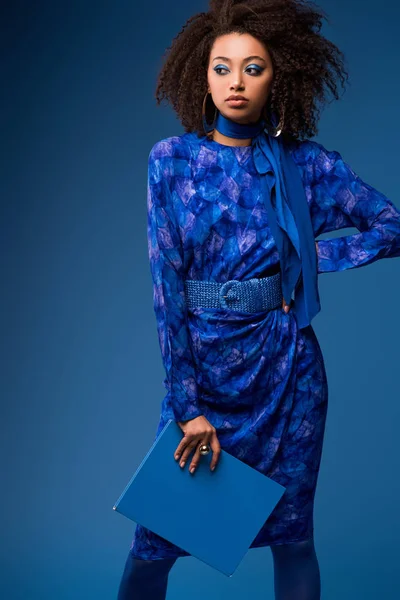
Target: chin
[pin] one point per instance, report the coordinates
(239, 110)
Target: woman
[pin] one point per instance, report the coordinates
(223, 207)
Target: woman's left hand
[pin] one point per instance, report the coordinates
(286, 307)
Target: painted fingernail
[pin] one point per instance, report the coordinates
(213, 468)
(183, 463)
(176, 456)
(191, 469)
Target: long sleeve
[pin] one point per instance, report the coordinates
(340, 198)
(167, 270)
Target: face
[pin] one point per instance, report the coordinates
(239, 64)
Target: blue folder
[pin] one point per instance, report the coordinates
(213, 515)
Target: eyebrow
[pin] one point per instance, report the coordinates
(244, 60)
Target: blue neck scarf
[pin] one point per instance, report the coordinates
(288, 214)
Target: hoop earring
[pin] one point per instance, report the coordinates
(208, 129)
(273, 129)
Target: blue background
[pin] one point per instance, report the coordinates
(81, 368)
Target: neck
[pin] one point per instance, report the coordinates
(229, 141)
(231, 133)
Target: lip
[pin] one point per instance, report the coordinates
(237, 97)
(237, 102)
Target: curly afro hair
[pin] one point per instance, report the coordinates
(306, 64)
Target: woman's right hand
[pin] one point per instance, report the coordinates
(197, 431)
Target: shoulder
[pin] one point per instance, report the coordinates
(315, 156)
(171, 159)
(173, 147)
(162, 158)
(308, 149)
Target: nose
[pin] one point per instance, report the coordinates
(237, 81)
(237, 87)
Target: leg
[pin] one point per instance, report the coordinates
(296, 571)
(145, 579)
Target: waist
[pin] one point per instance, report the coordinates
(251, 295)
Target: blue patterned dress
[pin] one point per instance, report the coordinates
(258, 378)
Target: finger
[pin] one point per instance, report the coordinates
(216, 450)
(186, 453)
(197, 456)
(286, 307)
(186, 439)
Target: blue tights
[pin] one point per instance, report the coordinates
(296, 571)
(296, 574)
(145, 579)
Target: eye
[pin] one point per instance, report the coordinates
(257, 70)
(219, 69)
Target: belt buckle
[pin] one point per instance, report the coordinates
(223, 292)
